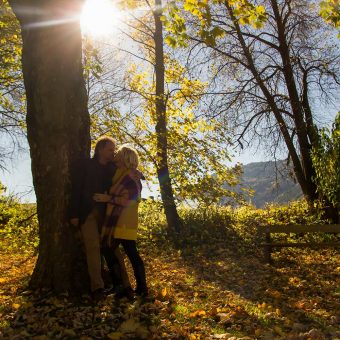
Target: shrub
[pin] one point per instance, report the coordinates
(18, 224)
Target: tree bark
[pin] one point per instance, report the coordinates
(297, 166)
(163, 174)
(301, 158)
(57, 131)
(296, 105)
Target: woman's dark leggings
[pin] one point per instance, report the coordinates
(116, 266)
(137, 263)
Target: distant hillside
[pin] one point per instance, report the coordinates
(269, 184)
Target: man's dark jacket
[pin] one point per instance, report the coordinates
(88, 177)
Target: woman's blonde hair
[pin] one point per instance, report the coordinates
(127, 155)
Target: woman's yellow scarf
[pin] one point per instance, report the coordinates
(107, 230)
(117, 178)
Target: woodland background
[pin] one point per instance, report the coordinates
(187, 82)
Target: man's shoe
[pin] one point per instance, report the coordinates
(98, 295)
(145, 296)
(125, 293)
(142, 292)
(110, 290)
(129, 293)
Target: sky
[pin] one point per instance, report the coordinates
(17, 176)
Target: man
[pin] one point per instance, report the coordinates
(92, 176)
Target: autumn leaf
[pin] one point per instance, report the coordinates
(142, 332)
(279, 331)
(194, 337)
(115, 335)
(274, 293)
(129, 326)
(70, 332)
(258, 332)
(198, 313)
(200, 307)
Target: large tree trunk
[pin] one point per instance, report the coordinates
(57, 130)
(164, 179)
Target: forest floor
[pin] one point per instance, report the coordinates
(206, 288)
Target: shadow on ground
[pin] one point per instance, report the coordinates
(296, 294)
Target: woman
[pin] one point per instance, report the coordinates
(120, 226)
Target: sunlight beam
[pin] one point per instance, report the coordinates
(99, 18)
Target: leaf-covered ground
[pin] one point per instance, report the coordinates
(212, 284)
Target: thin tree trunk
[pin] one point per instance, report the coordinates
(57, 130)
(296, 105)
(298, 169)
(304, 178)
(311, 129)
(164, 179)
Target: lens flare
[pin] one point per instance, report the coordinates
(99, 17)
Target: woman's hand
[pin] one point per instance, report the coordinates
(102, 198)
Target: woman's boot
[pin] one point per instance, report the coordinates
(142, 288)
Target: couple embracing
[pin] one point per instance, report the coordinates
(106, 191)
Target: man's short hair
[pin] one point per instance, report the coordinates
(101, 143)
